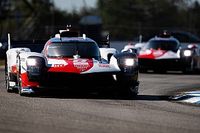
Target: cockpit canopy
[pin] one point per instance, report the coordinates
(169, 45)
(73, 48)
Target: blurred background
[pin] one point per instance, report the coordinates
(122, 19)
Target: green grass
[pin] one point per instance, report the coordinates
(2, 62)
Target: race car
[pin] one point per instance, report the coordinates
(162, 53)
(69, 61)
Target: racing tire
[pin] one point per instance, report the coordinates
(32, 94)
(128, 91)
(8, 88)
(19, 82)
(20, 86)
(143, 70)
(159, 71)
(190, 69)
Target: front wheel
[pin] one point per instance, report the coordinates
(159, 71)
(143, 70)
(189, 69)
(20, 92)
(24, 91)
(129, 91)
(19, 86)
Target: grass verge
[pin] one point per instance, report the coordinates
(2, 62)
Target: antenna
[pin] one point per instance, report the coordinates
(68, 27)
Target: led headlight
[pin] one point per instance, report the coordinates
(148, 51)
(31, 62)
(129, 62)
(187, 53)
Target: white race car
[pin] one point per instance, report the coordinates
(69, 61)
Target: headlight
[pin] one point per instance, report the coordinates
(187, 53)
(148, 51)
(129, 62)
(31, 62)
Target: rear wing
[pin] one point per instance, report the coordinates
(33, 45)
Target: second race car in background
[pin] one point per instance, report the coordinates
(162, 53)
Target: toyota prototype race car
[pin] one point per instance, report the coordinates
(165, 52)
(69, 61)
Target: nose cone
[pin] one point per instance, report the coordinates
(71, 65)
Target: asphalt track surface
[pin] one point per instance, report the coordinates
(150, 112)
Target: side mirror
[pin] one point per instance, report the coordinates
(108, 39)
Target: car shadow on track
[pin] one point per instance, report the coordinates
(152, 97)
(100, 96)
(171, 73)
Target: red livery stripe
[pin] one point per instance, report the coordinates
(73, 66)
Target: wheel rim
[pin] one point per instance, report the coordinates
(134, 90)
(7, 85)
(192, 65)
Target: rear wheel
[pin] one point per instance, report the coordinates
(7, 79)
(8, 87)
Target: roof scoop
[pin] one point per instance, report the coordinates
(67, 33)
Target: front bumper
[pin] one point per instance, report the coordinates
(54, 79)
(92, 81)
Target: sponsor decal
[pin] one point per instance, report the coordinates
(81, 64)
(57, 63)
(158, 53)
(14, 69)
(70, 65)
(169, 55)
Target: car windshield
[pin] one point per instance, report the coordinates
(69, 49)
(163, 45)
